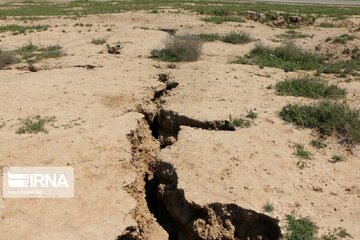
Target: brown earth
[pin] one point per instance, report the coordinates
(102, 130)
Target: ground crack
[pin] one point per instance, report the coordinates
(166, 124)
(161, 205)
(213, 221)
(145, 148)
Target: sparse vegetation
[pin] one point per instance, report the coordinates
(304, 228)
(287, 56)
(268, 207)
(209, 37)
(318, 143)
(309, 87)
(34, 125)
(336, 158)
(300, 228)
(342, 39)
(251, 114)
(179, 48)
(17, 29)
(292, 34)
(300, 151)
(336, 234)
(222, 19)
(327, 25)
(342, 68)
(290, 58)
(98, 41)
(33, 53)
(326, 118)
(237, 37)
(220, 12)
(238, 77)
(232, 37)
(7, 58)
(81, 8)
(240, 122)
(342, 233)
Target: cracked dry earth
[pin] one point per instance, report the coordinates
(157, 158)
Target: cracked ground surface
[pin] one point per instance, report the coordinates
(98, 109)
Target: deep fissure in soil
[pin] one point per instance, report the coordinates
(181, 219)
(190, 221)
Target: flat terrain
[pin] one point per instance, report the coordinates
(320, 2)
(104, 107)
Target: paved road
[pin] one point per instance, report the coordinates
(324, 2)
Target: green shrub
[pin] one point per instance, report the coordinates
(305, 229)
(240, 122)
(290, 58)
(309, 87)
(34, 125)
(301, 152)
(33, 53)
(342, 233)
(300, 228)
(179, 48)
(326, 118)
(237, 37)
(29, 47)
(287, 56)
(251, 114)
(268, 207)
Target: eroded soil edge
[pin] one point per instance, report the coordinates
(162, 203)
(212, 221)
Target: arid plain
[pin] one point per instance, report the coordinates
(132, 125)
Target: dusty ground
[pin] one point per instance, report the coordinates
(100, 131)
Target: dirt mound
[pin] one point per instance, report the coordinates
(280, 20)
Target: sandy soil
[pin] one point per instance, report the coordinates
(100, 131)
